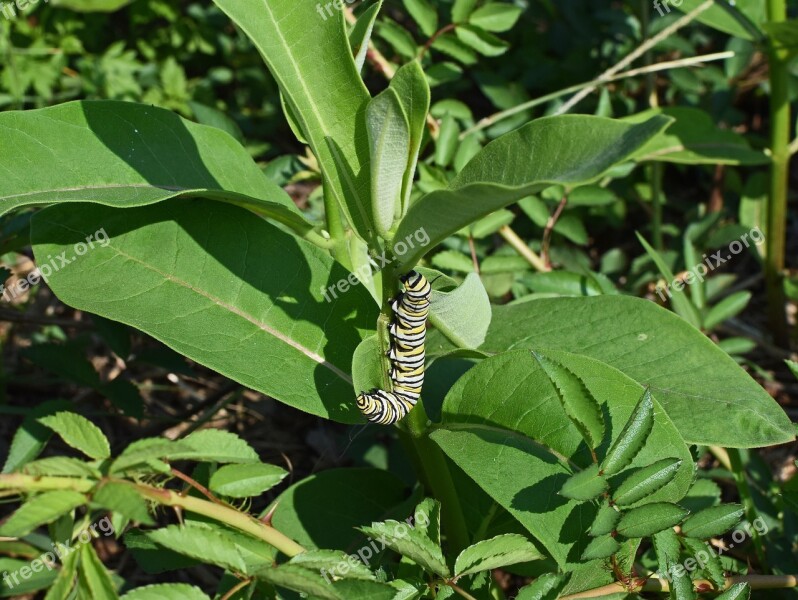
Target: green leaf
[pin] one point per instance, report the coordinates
(650, 518)
(682, 305)
(92, 5)
(360, 35)
(413, 92)
(793, 366)
(356, 589)
(579, 405)
(739, 591)
(123, 499)
(739, 19)
(65, 580)
(482, 41)
(704, 557)
(585, 485)
(300, 579)
(461, 9)
(462, 315)
(632, 438)
(448, 141)
(646, 481)
(243, 481)
(199, 542)
(712, 522)
(216, 445)
(308, 54)
(628, 334)
(429, 511)
(424, 14)
(569, 150)
(166, 591)
(93, 578)
(389, 143)
(496, 17)
(601, 547)
(500, 551)
(605, 521)
(79, 433)
(505, 427)
(695, 139)
(727, 308)
(333, 563)
(410, 543)
(142, 452)
(190, 275)
(545, 587)
(131, 155)
(31, 437)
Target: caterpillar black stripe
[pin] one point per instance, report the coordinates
(408, 333)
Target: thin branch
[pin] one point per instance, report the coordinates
(473, 248)
(544, 250)
(511, 237)
(757, 582)
(238, 587)
(460, 591)
(196, 485)
(434, 37)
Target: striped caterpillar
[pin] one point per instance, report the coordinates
(408, 333)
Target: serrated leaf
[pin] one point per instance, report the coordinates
(632, 438)
(411, 544)
(424, 14)
(606, 520)
(79, 433)
(93, 577)
(201, 543)
(389, 144)
(39, 510)
(496, 17)
(667, 549)
(462, 315)
(704, 557)
(31, 437)
(166, 591)
(579, 405)
(333, 563)
(65, 581)
(123, 499)
(427, 517)
(63, 466)
(245, 480)
(141, 452)
(646, 481)
(300, 579)
(216, 445)
(713, 521)
(585, 485)
(602, 546)
(739, 591)
(650, 518)
(500, 551)
(545, 587)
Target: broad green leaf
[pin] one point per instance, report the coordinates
(357, 589)
(79, 433)
(448, 140)
(740, 18)
(166, 591)
(243, 481)
(92, 5)
(307, 51)
(412, 88)
(302, 580)
(727, 308)
(123, 499)
(207, 545)
(21, 587)
(31, 437)
(488, 226)
(579, 405)
(130, 155)
(423, 13)
(397, 37)
(334, 564)
(545, 587)
(695, 139)
(500, 551)
(410, 543)
(462, 315)
(141, 452)
(632, 438)
(568, 150)
(585, 485)
(389, 143)
(739, 591)
(370, 365)
(215, 445)
(65, 581)
(360, 35)
(650, 518)
(628, 334)
(213, 117)
(713, 521)
(461, 9)
(601, 547)
(606, 520)
(784, 35)
(40, 510)
(482, 41)
(93, 577)
(192, 275)
(323, 510)
(673, 288)
(496, 16)
(646, 481)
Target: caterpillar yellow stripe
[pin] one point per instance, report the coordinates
(408, 333)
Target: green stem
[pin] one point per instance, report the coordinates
(656, 206)
(780, 153)
(738, 470)
(335, 227)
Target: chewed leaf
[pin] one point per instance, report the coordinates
(632, 438)
(579, 404)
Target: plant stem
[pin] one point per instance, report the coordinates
(738, 470)
(512, 238)
(757, 582)
(460, 591)
(780, 153)
(656, 206)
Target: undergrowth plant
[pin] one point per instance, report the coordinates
(559, 436)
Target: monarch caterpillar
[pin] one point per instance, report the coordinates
(408, 333)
